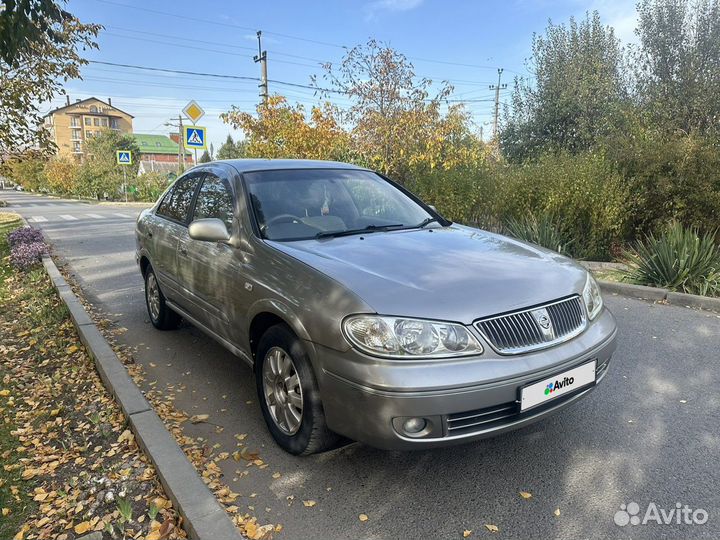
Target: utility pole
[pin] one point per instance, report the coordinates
(181, 146)
(497, 89)
(262, 58)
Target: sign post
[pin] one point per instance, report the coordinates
(124, 157)
(194, 112)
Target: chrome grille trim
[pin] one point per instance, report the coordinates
(519, 332)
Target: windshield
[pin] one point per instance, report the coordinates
(308, 203)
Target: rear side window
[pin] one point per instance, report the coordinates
(176, 204)
(214, 201)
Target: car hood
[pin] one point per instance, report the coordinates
(451, 273)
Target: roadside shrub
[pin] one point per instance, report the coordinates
(546, 231)
(585, 193)
(27, 255)
(679, 259)
(24, 235)
(62, 175)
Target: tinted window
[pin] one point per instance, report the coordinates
(214, 201)
(176, 204)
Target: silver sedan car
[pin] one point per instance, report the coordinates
(364, 313)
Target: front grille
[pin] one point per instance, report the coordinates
(534, 328)
(481, 419)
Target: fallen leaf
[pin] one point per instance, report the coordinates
(309, 503)
(82, 528)
(525, 495)
(276, 475)
(197, 418)
(4, 393)
(363, 517)
(70, 350)
(5, 512)
(466, 533)
(557, 512)
(492, 528)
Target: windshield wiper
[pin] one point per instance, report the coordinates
(426, 221)
(348, 232)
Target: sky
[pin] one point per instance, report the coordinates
(460, 41)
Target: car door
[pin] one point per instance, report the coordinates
(170, 231)
(210, 269)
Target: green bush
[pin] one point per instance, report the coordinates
(679, 259)
(546, 231)
(584, 193)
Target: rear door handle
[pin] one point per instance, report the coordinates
(183, 250)
(149, 234)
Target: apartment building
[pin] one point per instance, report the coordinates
(71, 125)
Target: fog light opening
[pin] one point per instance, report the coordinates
(413, 426)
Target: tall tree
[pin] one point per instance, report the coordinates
(40, 46)
(678, 62)
(231, 149)
(575, 89)
(100, 174)
(396, 116)
(205, 157)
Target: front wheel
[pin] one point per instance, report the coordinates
(289, 395)
(161, 316)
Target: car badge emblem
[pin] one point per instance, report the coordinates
(542, 318)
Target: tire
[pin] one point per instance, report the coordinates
(161, 316)
(311, 434)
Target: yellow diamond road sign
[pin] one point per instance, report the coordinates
(193, 111)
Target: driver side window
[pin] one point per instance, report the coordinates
(214, 200)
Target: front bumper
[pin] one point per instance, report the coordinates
(367, 398)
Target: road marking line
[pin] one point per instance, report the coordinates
(68, 217)
(118, 214)
(94, 216)
(38, 219)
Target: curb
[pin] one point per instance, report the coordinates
(634, 291)
(692, 300)
(203, 517)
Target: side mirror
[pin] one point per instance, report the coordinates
(209, 230)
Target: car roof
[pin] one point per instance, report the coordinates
(247, 165)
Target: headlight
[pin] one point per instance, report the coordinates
(591, 296)
(396, 337)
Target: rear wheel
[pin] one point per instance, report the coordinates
(289, 395)
(161, 316)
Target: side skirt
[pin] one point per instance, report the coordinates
(222, 341)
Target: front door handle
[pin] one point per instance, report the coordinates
(183, 250)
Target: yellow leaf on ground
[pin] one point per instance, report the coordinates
(525, 494)
(4, 393)
(466, 533)
(309, 503)
(82, 528)
(70, 350)
(276, 475)
(5, 512)
(491, 528)
(363, 517)
(557, 512)
(197, 418)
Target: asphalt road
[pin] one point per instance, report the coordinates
(649, 434)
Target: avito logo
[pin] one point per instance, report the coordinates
(557, 385)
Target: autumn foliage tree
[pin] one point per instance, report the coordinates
(61, 174)
(281, 130)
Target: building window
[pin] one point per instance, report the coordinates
(76, 134)
(76, 147)
(88, 134)
(104, 122)
(96, 121)
(93, 109)
(74, 121)
(88, 121)
(114, 123)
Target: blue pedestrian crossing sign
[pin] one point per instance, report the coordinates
(194, 137)
(124, 157)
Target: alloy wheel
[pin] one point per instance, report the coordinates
(153, 296)
(282, 389)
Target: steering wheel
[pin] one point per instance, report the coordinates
(282, 218)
